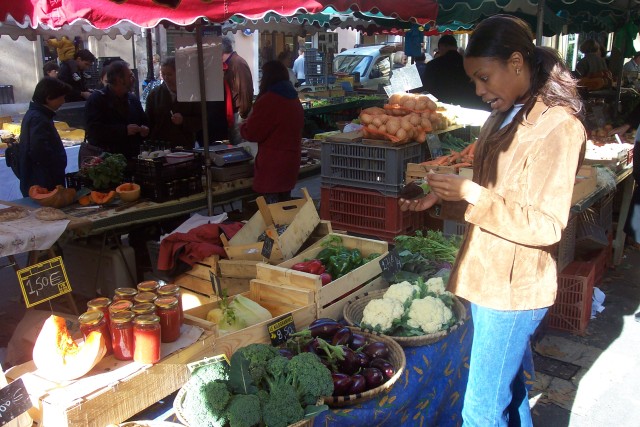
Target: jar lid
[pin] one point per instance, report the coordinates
(148, 286)
(126, 292)
(91, 317)
(99, 302)
(144, 308)
(146, 319)
(168, 289)
(145, 297)
(120, 305)
(166, 302)
(123, 316)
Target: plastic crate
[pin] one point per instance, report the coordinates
(372, 167)
(567, 245)
(367, 212)
(162, 189)
(572, 310)
(453, 228)
(601, 259)
(320, 80)
(313, 55)
(604, 208)
(159, 168)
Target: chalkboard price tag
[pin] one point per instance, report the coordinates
(281, 329)
(390, 264)
(215, 282)
(43, 281)
(267, 247)
(14, 401)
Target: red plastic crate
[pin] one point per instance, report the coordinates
(567, 245)
(572, 309)
(367, 212)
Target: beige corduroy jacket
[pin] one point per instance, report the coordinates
(527, 170)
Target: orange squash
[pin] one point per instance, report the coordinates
(102, 198)
(128, 192)
(84, 200)
(59, 358)
(59, 197)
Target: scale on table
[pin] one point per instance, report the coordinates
(229, 162)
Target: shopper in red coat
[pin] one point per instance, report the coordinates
(275, 123)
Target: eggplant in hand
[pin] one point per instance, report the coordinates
(415, 190)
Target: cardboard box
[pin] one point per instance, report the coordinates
(585, 184)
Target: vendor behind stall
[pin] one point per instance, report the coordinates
(172, 121)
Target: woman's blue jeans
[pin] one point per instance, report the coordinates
(496, 393)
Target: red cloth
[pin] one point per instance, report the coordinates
(275, 123)
(196, 245)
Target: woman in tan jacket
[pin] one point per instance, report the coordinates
(517, 205)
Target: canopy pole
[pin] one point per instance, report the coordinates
(540, 22)
(150, 76)
(133, 50)
(620, 75)
(203, 112)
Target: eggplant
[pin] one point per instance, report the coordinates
(357, 341)
(350, 364)
(285, 352)
(376, 349)
(324, 328)
(363, 359)
(342, 336)
(341, 384)
(358, 384)
(385, 367)
(373, 377)
(311, 346)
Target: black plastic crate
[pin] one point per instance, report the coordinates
(159, 168)
(161, 189)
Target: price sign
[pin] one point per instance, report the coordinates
(267, 247)
(215, 282)
(14, 401)
(281, 329)
(43, 281)
(390, 264)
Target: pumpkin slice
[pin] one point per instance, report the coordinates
(128, 191)
(102, 198)
(59, 358)
(58, 198)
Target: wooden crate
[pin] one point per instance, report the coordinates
(416, 171)
(279, 300)
(330, 299)
(234, 276)
(301, 217)
(103, 402)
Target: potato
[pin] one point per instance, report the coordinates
(425, 124)
(410, 104)
(401, 134)
(382, 129)
(421, 105)
(376, 121)
(395, 98)
(384, 118)
(366, 118)
(393, 124)
(415, 119)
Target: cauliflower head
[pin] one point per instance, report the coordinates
(380, 313)
(436, 285)
(402, 291)
(429, 314)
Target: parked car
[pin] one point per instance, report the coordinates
(373, 63)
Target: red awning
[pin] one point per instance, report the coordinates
(148, 13)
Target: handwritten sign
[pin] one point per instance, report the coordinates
(281, 329)
(14, 401)
(267, 247)
(43, 281)
(390, 264)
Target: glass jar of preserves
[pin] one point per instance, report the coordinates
(145, 297)
(100, 304)
(95, 321)
(144, 308)
(122, 335)
(169, 314)
(174, 291)
(122, 305)
(125, 293)
(146, 338)
(148, 286)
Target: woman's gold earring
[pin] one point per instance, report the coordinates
(518, 71)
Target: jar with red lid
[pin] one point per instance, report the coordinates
(122, 335)
(121, 305)
(100, 304)
(144, 308)
(95, 321)
(148, 286)
(146, 338)
(169, 314)
(145, 297)
(125, 293)
(174, 291)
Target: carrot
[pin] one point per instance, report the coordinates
(454, 156)
(433, 162)
(462, 165)
(472, 149)
(467, 149)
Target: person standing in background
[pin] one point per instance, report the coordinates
(275, 124)
(517, 205)
(238, 77)
(51, 69)
(631, 69)
(65, 48)
(40, 152)
(170, 120)
(298, 66)
(592, 63)
(73, 72)
(285, 58)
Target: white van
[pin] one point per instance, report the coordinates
(373, 63)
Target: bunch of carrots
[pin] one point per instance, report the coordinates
(457, 159)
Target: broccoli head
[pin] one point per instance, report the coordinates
(258, 355)
(277, 367)
(204, 404)
(309, 377)
(244, 410)
(283, 407)
(212, 372)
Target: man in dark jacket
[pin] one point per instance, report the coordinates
(73, 72)
(238, 77)
(116, 122)
(445, 78)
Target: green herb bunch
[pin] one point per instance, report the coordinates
(106, 171)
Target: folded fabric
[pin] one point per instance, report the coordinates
(196, 245)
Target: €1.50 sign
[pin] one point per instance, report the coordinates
(43, 281)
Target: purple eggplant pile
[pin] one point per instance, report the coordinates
(356, 364)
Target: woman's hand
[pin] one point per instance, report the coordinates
(454, 188)
(420, 204)
(177, 119)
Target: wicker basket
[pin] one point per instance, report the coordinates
(353, 312)
(396, 358)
